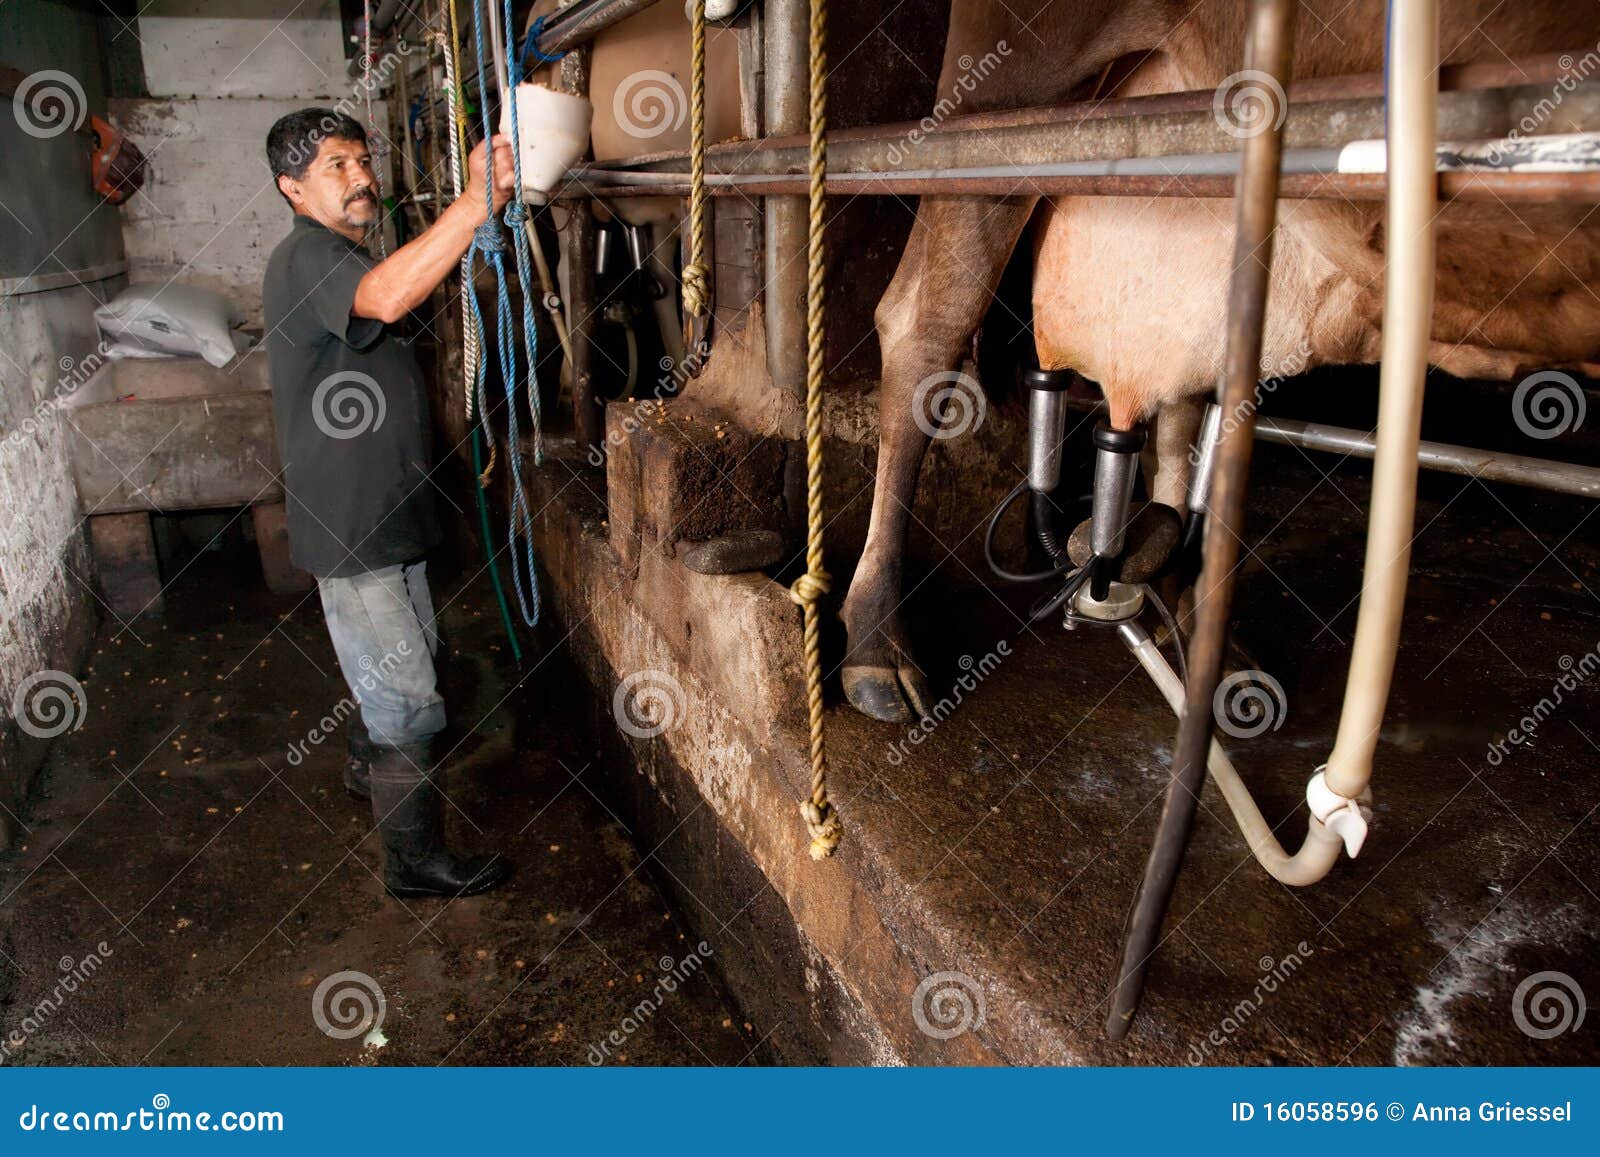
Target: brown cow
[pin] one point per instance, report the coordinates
(1131, 293)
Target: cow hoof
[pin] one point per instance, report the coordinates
(887, 694)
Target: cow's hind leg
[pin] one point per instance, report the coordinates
(944, 284)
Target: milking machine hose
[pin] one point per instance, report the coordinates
(1063, 564)
(1044, 510)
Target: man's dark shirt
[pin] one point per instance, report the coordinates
(351, 411)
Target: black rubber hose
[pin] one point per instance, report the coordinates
(1001, 572)
(1044, 526)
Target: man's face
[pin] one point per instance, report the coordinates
(339, 189)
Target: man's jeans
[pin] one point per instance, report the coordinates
(383, 631)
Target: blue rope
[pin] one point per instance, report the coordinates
(532, 45)
(490, 244)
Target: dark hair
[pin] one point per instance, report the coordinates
(293, 141)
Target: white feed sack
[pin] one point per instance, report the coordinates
(156, 321)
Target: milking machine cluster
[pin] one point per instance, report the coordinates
(627, 289)
(1107, 564)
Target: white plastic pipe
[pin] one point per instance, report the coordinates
(1316, 856)
(1412, 81)
(1338, 793)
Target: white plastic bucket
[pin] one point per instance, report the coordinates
(553, 131)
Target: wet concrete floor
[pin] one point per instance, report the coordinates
(1012, 838)
(183, 889)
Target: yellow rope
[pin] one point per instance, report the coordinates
(696, 277)
(821, 818)
(819, 813)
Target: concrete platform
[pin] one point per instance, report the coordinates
(974, 910)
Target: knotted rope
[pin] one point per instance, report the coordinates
(821, 818)
(696, 277)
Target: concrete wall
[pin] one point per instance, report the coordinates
(209, 213)
(53, 231)
(260, 48)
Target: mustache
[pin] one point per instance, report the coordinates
(363, 195)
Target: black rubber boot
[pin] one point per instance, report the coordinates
(407, 805)
(358, 763)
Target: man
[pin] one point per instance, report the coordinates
(353, 435)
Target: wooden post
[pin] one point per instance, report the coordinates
(125, 560)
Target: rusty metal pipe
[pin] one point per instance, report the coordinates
(588, 415)
(1529, 75)
(1270, 50)
(578, 23)
(1510, 188)
(787, 110)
